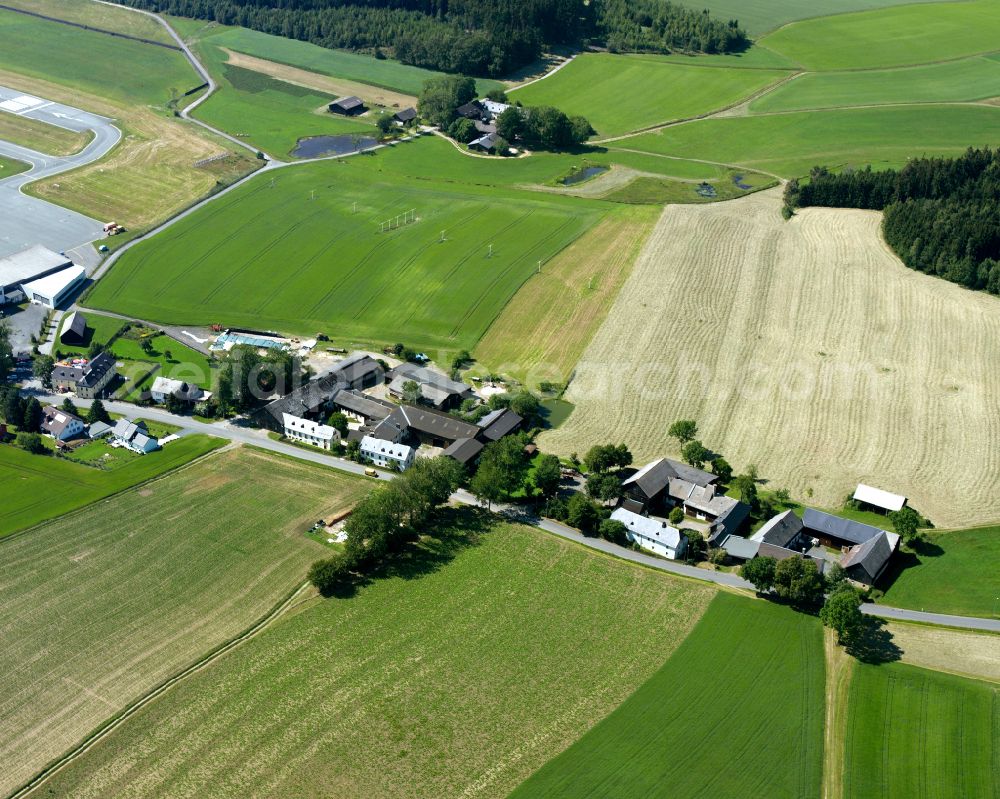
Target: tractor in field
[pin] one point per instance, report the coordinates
(113, 229)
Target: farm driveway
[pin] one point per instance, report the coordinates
(25, 220)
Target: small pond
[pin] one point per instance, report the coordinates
(316, 146)
(582, 175)
(555, 412)
(738, 181)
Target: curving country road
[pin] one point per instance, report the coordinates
(26, 220)
(247, 435)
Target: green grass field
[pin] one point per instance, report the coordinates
(267, 113)
(621, 93)
(486, 652)
(968, 79)
(102, 606)
(760, 16)
(946, 575)
(737, 711)
(790, 144)
(910, 34)
(659, 191)
(274, 258)
(385, 73)
(26, 480)
(10, 167)
(913, 732)
(93, 61)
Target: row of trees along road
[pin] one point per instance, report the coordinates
(475, 37)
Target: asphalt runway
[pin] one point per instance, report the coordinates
(27, 220)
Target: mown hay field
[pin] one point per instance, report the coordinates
(889, 37)
(106, 17)
(458, 673)
(273, 257)
(744, 693)
(542, 332)
(968, 79)
(914, 732)
(806, 348)
(98, 608)
(26, 480)
(621, 93)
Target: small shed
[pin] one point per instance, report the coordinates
(348, 106)
(878, 500)
(487, 143)
(405, 116)
(74, 330)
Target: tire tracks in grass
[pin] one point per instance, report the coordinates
(412, 259)
(289, 231)
(489, 289)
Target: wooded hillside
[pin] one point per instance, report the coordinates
(942, 215)
(486, 37)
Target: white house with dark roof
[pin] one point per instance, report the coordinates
(387, 454)
(309, 432)
(133, 436)
(60, 425)
(653, 535)
(164, 387)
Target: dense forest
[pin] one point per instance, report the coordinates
(473, 37)
(942, 215)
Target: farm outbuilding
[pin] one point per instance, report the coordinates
(53, 289)
(653, 535)
(348, 106)
(405, 116)
(487, 143)
(878, 500)
(74, 329)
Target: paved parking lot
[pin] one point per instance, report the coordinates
(27, 220)
(23, 323)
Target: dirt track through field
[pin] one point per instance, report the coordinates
(313, 80)
(804, 347)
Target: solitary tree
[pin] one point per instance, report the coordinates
(69, 407)
(676, 515)
(338, 422)
(145, 345)
(32, 416)
(384, 124)
(583, 514)
(695, 453)
(747, 488)
(547, 475)
(797, 580)
(42, 369)
(683, 430)
(411, 391)
(13, 408)
(722, 470)
(759, 571)
(614, 531)
(906, 523)
(98, 413)
(842, 613)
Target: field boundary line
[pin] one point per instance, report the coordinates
(147, 481)
(708, 114)
(117, 720)
(839, 672)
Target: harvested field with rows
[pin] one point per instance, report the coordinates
(804, 347)
(99, 607)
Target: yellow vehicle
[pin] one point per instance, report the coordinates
(371, 472)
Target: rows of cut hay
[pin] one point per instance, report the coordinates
(99, 607)
(737, 711)
(306, 254)
(456, 674)
(913, 732)
(804, 347)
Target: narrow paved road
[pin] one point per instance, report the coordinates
(233, 431)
